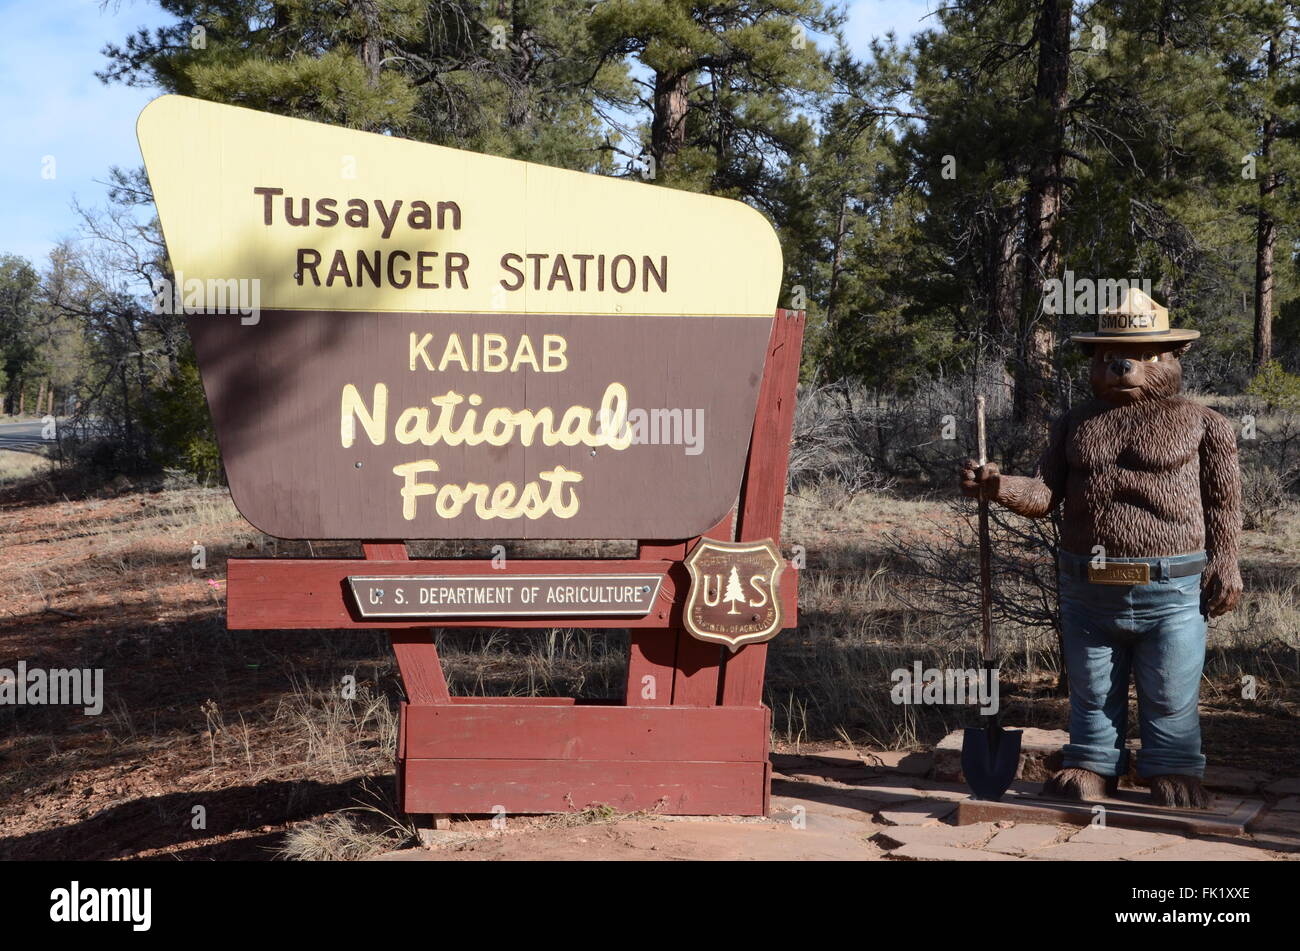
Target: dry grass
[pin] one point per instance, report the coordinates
(349, 835)
(198, 713)
(860, 619)
(17, 466)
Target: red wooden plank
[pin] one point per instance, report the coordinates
(477, 786)
(401, 756)
(384, 551)
(762, 496)
(699, 663)
(742, 675)
(417, 659)
(417, 656)
(651, 666)
(661, 550)
(652, 653)
(767, 763)
(517, 701)
(551, 732)
(308, 593)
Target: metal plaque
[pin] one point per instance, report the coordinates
(435, 596)
(734, 597)
(1120, 572)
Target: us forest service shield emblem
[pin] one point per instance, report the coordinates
(734, 597)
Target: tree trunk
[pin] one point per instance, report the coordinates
(126, 409)
(1004, 297)
(371, 42)
(837, 267)
(525, 49)
(1265, 229)
(1266, 236)
(668, 126)
(1037, 339)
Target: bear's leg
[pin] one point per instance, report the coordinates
(1097, 660)
(1179, 792)
(1167, 663)
(1081, 784)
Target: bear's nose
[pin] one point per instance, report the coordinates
(1120, 367)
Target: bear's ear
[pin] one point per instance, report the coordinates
(1181, 349)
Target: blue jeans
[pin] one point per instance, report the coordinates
(1157, 632)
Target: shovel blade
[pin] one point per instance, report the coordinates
(990, 757)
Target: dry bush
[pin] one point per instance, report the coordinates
(347, 836)
(337, 737)
(495, 662)
(866, 441)
(943, 568)
(834, 675)
(824, 446)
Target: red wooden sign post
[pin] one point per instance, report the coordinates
(690, 738)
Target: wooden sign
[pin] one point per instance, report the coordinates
(452, 345)
(734, 596)
(494, 596)
(401, 341)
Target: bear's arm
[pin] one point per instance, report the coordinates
(1220, 493)
(1035, 496)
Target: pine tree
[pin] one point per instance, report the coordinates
(19, 356)
(508, 77)
(724, 107)
(734, 594)
(1266, 90)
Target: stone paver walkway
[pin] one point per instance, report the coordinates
(842, 805)
(909, 816)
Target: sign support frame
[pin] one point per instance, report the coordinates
(692, 735)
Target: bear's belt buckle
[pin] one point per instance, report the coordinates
(1119, 572)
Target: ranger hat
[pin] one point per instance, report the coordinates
(1135, 318)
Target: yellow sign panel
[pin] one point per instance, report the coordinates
(330, 219)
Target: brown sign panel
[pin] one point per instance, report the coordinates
(380, 425)
(441, 344)
(734, 597)
(435, 596)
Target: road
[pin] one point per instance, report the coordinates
(22, 437)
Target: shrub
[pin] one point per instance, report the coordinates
(182, 428)
(1279, 390)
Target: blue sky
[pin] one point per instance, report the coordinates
(55, 107)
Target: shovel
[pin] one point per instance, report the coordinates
(990, 755)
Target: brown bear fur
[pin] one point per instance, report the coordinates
(1143, 472)
(1076, 783)
(1179, 792)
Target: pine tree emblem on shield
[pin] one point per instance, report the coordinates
(734, 596)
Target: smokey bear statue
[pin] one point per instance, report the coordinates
(1149, 536)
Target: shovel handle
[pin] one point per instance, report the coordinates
(986, 551)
